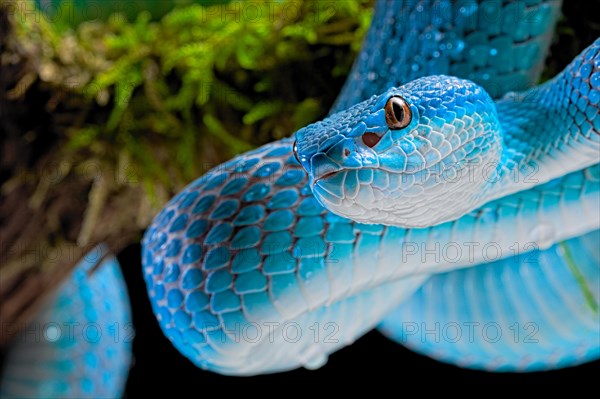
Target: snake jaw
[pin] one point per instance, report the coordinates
(325, 176)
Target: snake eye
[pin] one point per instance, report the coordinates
(397, 113)
(295, 150)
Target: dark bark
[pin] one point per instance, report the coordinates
(45, 199)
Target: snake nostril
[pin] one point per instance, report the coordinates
(346, 152)
(370, 139)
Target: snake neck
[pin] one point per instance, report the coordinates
(474, 40)
(551, 130)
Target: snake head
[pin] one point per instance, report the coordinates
(414, 156)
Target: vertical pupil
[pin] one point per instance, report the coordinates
(398, 111)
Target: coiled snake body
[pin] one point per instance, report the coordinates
(79, 344)
(284, 254)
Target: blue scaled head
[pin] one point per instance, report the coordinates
(401, 158)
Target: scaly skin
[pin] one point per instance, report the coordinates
(79, 345)
(454, 126)
(499, 46)
(484, 316)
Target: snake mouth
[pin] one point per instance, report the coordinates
(326, 175)
(408, 171)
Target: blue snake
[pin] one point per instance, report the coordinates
(430, 204)
(79, 344)
(277, 258)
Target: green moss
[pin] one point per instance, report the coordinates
(200, 84)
